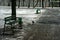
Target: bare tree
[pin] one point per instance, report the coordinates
(28, 3)
(18, 3)
(42, 3)
(59, 3)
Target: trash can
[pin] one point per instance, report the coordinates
(20, 22)
(37, 11)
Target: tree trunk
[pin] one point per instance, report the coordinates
(19, 4)
(28, 3)
(23, 2)
(49, 3)
(59, 3)
(33, 3)
(36, 4)
(13, 6)
(42, 3)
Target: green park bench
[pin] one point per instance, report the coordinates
(11, 23)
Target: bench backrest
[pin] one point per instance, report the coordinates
(7, 18)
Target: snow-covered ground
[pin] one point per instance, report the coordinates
(28, 14)
(47, 26)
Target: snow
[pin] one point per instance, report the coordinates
(37, 30)
(27, 14)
